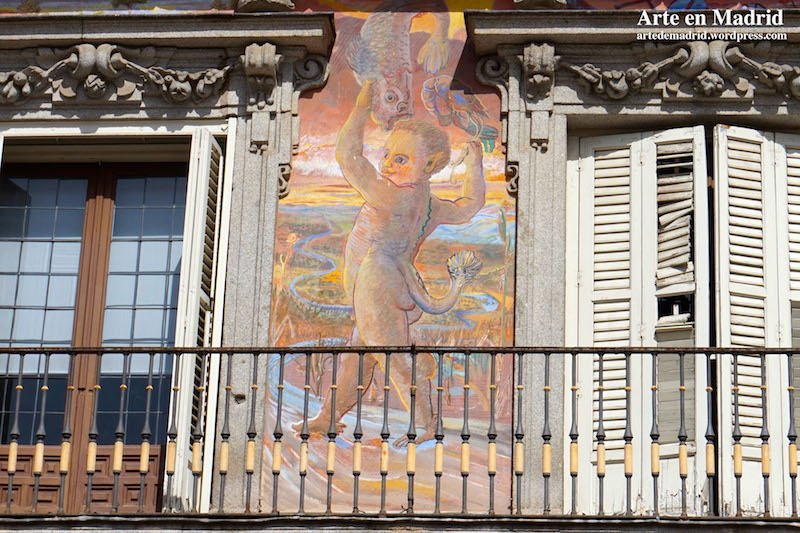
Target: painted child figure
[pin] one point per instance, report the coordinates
(398, 214)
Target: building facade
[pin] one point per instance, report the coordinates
(350, 266)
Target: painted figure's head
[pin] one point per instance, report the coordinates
(392, 99)
(414, 151)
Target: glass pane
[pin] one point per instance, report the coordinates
(9, 256)
(28, 325)
(62, 290)
(69, 223)
(58, 327)
(152, 290)
(42, 192)
(127, 222)
(40, 223)
(32, 291)
(117, 325)
(12, 221)
(66, 257)
(148, 325)
(154, 256)
(120, 290)
(157, 222)
(160, 191)
(6, 316)
(35, 257)
(72, 193)
(130, 192)
(8, 289)
(124, 257)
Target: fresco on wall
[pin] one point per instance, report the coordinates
(33, 6)
(398, 229)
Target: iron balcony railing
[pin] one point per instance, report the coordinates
(320, 423)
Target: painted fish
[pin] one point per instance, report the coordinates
(382, 52)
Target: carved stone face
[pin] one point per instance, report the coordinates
(392, 99)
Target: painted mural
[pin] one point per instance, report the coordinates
(398, 229)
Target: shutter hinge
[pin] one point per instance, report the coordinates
(580, 278)
(710, 182)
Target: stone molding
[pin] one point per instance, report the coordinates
(110, 73)
(275, 80)
(699, 70)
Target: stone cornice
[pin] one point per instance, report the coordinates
(486, 30)
(313, 31)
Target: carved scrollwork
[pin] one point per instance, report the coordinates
(284, 172)
(260, 63)
(108, 72)
(697, 69)
(512, 178)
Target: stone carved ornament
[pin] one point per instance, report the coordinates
(702, 70)
(107, 72)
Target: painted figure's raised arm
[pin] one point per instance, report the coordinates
(358, 171)
(473, 191)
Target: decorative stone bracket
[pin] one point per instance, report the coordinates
(109, 73)
(525, 81)
(275, 80)
(716, 70)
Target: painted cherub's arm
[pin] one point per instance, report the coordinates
(473, 191)
(358, 171)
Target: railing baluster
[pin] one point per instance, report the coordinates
(737, 436)
(519, 435)
(91, 450)
(13, 448)
(411, 448)
(711, 436)
(465, 435)
(764, 434)
(41, 433)
(332, 432)
(172, 432)
(601, 438)
(66, 434)
(655, 454)
(358, 432)
(197, 436)
(252, 433)
(385, 432)
(683, 456)
(547, 453)
(119, 433)
(225, 434)
(439, 448)
(573, 435)
(144, 454)
(277, 433)
(792, 434)
(304, 436)
(628, 436)
(491, 434)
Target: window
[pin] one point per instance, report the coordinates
(646, 247)
(114, 255)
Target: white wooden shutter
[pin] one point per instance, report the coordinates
(638, 196)
(195, 299)
(751, 267)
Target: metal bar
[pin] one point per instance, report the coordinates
(66, 435)
(197, 435)
(711, 436)
(91, 449)
(277, 433)
(683, 461)
(601, 437)
(225, 434)
(546, 436)
(119, 432)
(332, 432)
(439, 435)
(411, 435)
(465, 435)
(655, 455)
(41, 433)
(764, 435)
(304, 434)
(144, 455)
(172, 432)
(358, 432)
(737, 436)
(519, 435)
(491, 434)
(15, 433)
(628, 437)
(573, 435)
(385, 433)
(792, 435)
(252, 432)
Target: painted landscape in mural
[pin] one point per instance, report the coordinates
(398, 229)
